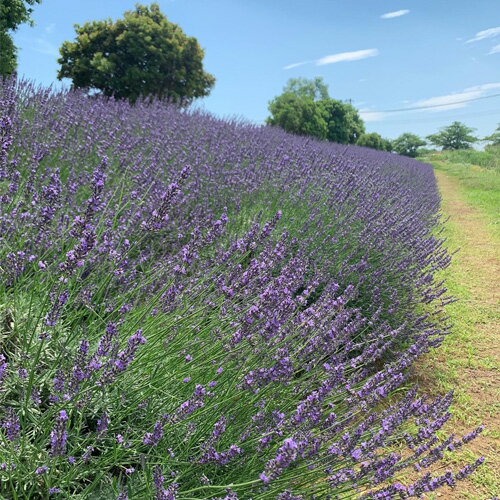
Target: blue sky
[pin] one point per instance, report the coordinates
(381, 54)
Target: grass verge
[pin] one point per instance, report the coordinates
(468, 361)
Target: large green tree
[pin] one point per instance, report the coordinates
(298, 115)
(141, 55)
(344, 124)
(455, 136)
(407, 144)
(12, 14)
(306, 108)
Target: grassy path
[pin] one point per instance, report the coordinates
(469, 360)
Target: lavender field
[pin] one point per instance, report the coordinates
(197, 309)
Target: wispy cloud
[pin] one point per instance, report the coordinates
(396, 13)
(456, 100)
(484, 87)
(45, 47)
(481, 35)
(440, 103)
(369, 115)
(336, 58)
(495, 49)
(446, 102)
(296, 65)
(347, 56)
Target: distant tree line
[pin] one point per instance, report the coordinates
(306, 108)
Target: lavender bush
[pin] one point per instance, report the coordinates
(194, 308)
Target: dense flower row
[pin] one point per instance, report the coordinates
(196, 308)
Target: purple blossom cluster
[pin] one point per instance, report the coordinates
(212, 309)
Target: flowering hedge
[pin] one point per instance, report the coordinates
(196, 308)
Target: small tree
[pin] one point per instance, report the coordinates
(407, 144)
(143, 54)
(494, 138)
(12, 14)
(455, 136)
(374, 141)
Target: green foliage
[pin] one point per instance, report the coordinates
(494, 138)
(315, 89)
(468, 159)
(15, 12)
(455, 136)
(298, 115)
(344, 125)
(12, 14)
(8, 61)
(408, 144)
(141, 55)
(305, 108)
(374, 141)
(480, 187)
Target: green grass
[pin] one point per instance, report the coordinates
(489, 158)
(467, 362)
(480, 187)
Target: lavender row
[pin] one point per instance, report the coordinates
(197, 308)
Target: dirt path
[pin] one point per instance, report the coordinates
(469, 360)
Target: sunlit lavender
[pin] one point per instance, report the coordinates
(196, 308)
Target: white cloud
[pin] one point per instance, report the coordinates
(347, 56)
(484, 86)
(440, 103)
(450, 101)
(481, 35)
(45, 47)
(371, 116)
(295, 65)
(495, 49)
(456, 100)
(335, 58)
(396, 13)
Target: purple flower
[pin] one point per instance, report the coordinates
(41, 470)
(103, 423)
(11, 425)
(59, 435)
(286, 455)
(162, 493)
(153, 438)
(3, 367)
